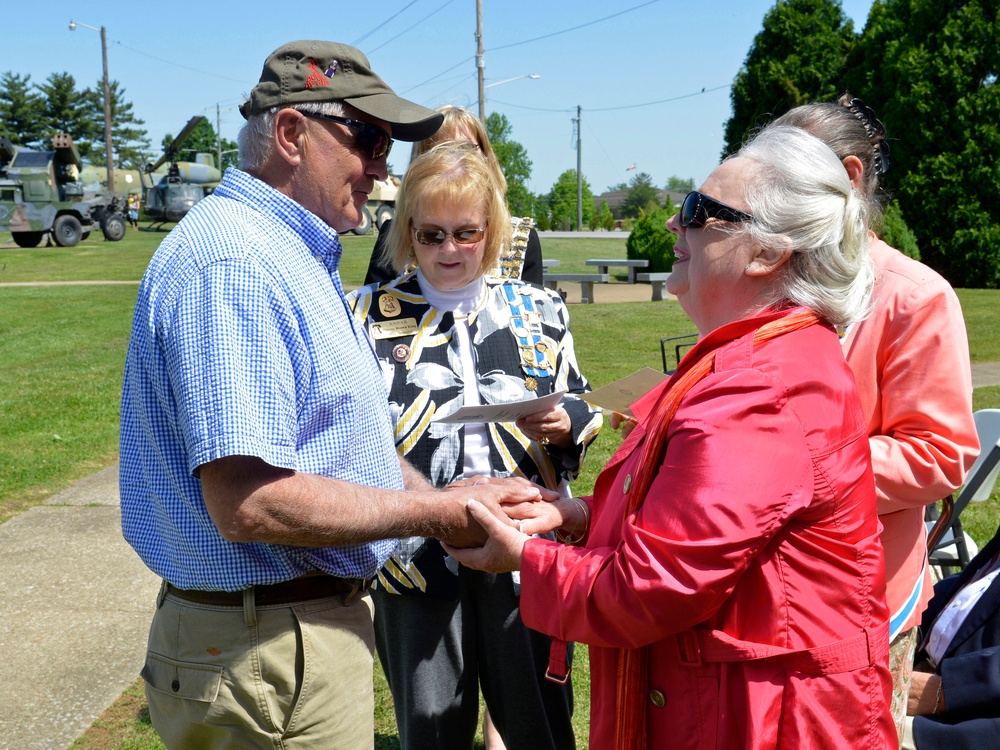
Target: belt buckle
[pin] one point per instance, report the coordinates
(358, 585)
(688, 649)
(557, 678)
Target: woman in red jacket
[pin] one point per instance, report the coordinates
(727, 572)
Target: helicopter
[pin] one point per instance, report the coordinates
(184, 183)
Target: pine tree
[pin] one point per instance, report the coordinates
(21, 111)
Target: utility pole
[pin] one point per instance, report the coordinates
(107, 113)
(107, 100)
(218, 136)
(579, 170)
(480, 62)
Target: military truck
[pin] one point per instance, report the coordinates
(41, 195)
(381, 205)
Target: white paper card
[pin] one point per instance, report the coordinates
(503, 412)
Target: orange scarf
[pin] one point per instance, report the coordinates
(633, 664)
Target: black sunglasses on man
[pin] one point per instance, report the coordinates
(373, 141)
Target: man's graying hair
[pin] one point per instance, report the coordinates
(801, 197)
(256, 138)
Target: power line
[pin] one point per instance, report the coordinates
(524, 41)
(410, 28)
(178, 65)
(614, 109)
(574, 28)
(434, 78)
(438, 96)
(382, 24)
(662, 101)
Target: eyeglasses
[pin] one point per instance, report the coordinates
(371, 139)
(465, 236)
(697, 208)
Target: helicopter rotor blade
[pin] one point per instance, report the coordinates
(170, 152)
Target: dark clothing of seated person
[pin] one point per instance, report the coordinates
(955, 697)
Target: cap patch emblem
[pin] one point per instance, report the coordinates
(315, 78)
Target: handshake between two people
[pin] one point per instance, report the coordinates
(503, 513)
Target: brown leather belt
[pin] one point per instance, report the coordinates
(301, 589)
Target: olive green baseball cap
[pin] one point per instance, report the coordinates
(314, 71)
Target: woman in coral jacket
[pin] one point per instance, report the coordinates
(731, 583)
(910, 358)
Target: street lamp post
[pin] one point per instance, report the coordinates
(107, 100)
(508, 80)
(482, 95)
(480, 61)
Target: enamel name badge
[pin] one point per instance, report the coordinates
(392, 329)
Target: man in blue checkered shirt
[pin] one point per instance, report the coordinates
(258, 473)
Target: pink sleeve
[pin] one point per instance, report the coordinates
(927, 441)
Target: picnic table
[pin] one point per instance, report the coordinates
(604, 263)
(657, 281)
(586, 281)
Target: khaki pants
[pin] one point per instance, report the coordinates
(291, 677)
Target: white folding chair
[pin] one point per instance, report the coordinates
(948, 545)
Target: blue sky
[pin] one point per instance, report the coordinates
(652, 78)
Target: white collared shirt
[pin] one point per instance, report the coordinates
(951, 618)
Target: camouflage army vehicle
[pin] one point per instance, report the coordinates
(41, 196)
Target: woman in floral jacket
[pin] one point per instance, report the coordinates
(450, 334)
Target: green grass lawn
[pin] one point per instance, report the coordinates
(63, 349)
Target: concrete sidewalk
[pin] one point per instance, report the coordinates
(75, 607)
(986, 373)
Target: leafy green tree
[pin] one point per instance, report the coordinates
(514, 162)
(562, 202)
(541, 213)
(929, 68)
(201, 140)
(641, 192)
(128, 139)
(66, 109)
(605, 219)
(896, 232)
(616, 188)
(796, 58)
(651, 240)
(679, 185)
(21, 111)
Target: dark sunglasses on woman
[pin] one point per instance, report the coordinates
(463, 236)
(697, 208)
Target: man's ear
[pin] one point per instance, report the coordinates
(767, 260)
(289, 133)
(855, 171)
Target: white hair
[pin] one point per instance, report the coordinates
(256, 137)
(801, 198)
